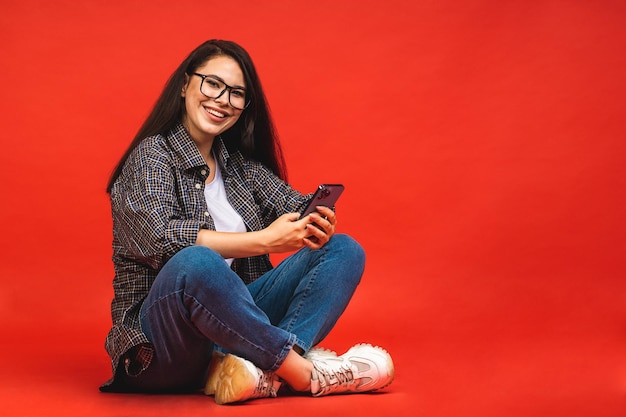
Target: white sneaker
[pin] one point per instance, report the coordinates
(234, 379)
(319, 353)
(363, 368)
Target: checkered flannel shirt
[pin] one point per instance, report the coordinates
(158, 207)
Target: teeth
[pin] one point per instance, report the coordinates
(216, 113)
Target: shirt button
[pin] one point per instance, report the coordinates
(198, 186)
(206, 213)
(203, 172)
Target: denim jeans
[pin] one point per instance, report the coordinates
(197, 302)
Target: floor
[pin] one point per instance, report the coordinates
(445, 366)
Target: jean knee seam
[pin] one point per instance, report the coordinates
(143, 311)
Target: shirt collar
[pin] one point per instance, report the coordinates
(187, 152)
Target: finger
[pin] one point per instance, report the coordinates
(326, 224)
(292, 216)
(301, 223)
(311, 244)
(325, 211)
(329, 215)
(319, 235)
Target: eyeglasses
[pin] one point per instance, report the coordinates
(213, 87)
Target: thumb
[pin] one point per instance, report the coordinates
(292, 217)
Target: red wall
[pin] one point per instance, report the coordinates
(481, 144)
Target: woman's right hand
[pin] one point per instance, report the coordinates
(286, 233)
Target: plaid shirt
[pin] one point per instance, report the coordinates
(158, 207)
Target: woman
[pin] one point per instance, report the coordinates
(199, 200)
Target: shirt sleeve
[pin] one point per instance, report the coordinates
(148, 216)
(274, 196)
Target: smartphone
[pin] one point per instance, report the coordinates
(325, 195)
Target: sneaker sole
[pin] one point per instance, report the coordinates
(229, 380)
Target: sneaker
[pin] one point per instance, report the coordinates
(363, 368)
(213, 374)
(319, 353)
(234, 379)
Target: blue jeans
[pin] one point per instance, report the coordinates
(197, 302)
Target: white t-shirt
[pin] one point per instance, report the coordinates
(224, 216)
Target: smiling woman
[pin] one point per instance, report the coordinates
(208, 111)
(251, 132)
(200, 201)
(482, 148)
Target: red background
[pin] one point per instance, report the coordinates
(482, 148)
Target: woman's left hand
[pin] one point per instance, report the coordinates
(325, 221)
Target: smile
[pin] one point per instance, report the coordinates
(216, 113)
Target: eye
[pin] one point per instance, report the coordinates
(238, 93)
(212, 83)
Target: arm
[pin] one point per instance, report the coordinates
(151, 220)
(273, 206)
(285, 234)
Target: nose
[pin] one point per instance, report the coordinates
(223, 97)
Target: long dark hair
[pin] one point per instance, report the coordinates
(253, 135)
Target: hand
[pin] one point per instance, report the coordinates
(320, 227)
(286, 233)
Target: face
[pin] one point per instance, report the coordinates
(205, 118)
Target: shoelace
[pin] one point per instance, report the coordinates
(333, 379)
(265, 387)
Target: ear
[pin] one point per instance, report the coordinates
(183, 92)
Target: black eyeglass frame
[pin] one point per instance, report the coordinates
(226, 87)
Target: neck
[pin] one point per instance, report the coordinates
(203, 141)
(205, 148)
